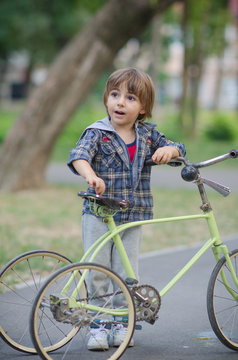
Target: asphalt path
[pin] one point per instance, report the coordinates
(163, 176)
(183, 330)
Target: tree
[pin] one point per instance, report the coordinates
(233, 6)
(203, 20)
(26, 149)
(41, 28)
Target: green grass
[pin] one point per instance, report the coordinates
(7, 117)
(51, 219)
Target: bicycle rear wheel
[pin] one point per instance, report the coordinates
(51, 320)
(20, 281)
(222, 307)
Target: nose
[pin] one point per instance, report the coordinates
(121, 100)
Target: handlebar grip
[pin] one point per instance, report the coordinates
(149, 162)
(234, 153)
(175, 162)
(179, 160)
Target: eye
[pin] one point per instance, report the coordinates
(114, 93)
(131, 98)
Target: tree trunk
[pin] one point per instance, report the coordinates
(236, 75)
(3, 69)
(28, 146)
(195, 76)
(193, 64)
(218, 83)
(156, 57)
(185, 30)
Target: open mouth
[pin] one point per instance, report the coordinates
(119, 112)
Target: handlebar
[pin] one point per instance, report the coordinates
(179, 160)
(190, 171)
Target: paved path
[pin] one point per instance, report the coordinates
(162, 176)
(183, 331)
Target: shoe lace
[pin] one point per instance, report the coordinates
(120, 328)
(99, 331)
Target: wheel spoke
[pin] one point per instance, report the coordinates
(56, 324)
(20, 281)
(221, 305)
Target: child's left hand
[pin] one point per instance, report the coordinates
(164, 154)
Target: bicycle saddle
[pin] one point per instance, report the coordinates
(102, 200)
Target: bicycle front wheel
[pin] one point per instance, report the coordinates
(53, 316)
(222, 306)
(20, 281)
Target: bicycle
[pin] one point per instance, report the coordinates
(62, 310)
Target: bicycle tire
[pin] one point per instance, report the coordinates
(221, 306)
(20, 280)
(46, 329)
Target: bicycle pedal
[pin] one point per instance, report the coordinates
(152, 320)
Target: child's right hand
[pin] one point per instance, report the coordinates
(84, 169)
(97, 183)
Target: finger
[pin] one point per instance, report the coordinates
(156, 158)
(165, 159)
(100, 187)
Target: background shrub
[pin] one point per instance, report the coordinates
(222, 128)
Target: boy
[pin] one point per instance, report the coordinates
(110, 156)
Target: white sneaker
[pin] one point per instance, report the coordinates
(119, 333)
(98, 339)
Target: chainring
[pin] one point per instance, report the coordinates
(147, 302)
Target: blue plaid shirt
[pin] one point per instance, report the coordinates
(107, 153)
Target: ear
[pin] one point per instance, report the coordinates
(141, 115)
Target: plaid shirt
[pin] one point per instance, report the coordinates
(107, 153)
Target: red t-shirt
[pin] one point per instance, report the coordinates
(131, 149)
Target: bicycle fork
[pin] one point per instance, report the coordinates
(222, 249)
(219, 248)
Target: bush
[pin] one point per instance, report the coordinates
(7, 120)
(222, 128)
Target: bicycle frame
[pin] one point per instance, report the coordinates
(214, 241)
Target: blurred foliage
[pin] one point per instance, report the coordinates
(209, 19)
(8, 117)
(222, 127)
(42, 27)
(203, 25)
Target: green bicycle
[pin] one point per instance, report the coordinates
(63, 313)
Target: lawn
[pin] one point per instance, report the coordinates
(50, 219)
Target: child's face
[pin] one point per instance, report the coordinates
(123, 107)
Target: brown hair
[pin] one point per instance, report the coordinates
(138, 83)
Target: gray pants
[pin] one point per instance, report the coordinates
(92, 229)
